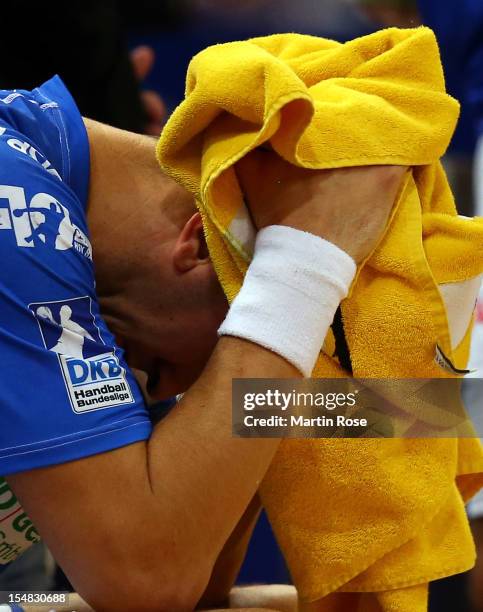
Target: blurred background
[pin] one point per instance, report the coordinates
(125, 63)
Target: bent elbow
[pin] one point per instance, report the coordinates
(136, 591)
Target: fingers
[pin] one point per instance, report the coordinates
(347, 206)
(260, 177)
(142, 59)
(254, 165)
(263, 170)
(390, 176)
(155, 110)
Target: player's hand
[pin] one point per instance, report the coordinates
(349, 207)
(142, 59)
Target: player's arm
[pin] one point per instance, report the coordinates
(141, 527)
(260, 598)
(230, 559)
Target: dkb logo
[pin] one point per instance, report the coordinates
(68, 328)
(81, 371)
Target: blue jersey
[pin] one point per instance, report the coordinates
(65, 389)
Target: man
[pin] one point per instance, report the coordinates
(138, 516)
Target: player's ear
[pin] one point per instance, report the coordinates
(190, 249)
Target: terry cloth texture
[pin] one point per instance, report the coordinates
(376, 518)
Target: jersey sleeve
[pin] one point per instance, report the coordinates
(66, 391)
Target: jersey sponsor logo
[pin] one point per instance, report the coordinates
(93, 376)
(27, 149)
(17, 532)
(43, 222)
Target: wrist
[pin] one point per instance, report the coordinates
(290, 294)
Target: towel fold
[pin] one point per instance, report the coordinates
(363, 524)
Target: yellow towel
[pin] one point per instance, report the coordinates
(364, 524)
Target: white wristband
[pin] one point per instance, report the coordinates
(290, 294)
